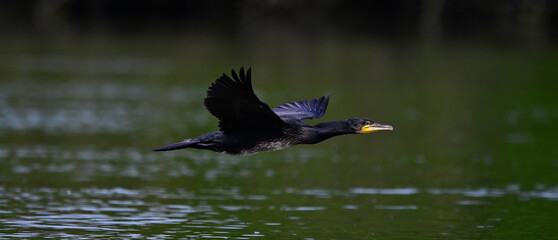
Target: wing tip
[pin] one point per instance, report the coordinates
(243, 77)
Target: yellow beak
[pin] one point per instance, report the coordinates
(376, 127)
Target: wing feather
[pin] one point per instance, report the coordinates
(237, 107)
(316, 108)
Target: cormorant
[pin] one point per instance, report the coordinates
(247, 125)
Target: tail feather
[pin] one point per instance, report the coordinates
(184, 144)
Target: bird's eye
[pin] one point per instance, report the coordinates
(367, 123)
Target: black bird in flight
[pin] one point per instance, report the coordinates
(247, 125)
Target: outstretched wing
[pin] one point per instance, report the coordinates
(303, 109)
(237, 107)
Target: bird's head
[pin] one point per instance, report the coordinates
(365, 125)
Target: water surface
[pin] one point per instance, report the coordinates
(472, 156)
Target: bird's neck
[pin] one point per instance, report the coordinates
(331, 129)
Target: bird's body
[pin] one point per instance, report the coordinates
(248, 125)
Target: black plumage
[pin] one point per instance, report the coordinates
(248, 125)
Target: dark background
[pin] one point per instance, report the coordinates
(529, 23)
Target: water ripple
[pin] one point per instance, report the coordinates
(113, 210)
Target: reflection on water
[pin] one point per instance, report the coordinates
(85, 65)
(75, 159)
(81, 107)
(123, 212)
(119, 212)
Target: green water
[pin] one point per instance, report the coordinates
(473, 154)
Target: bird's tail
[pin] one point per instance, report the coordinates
(184, 144)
